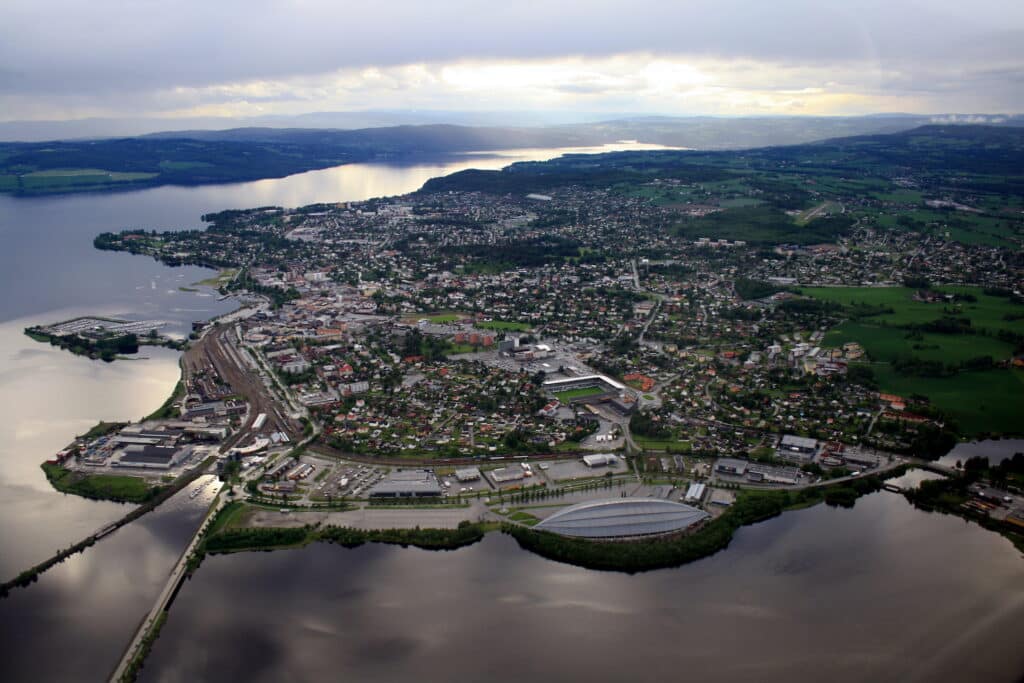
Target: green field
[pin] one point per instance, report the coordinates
(503, 325)
(987, 313)
(980, 400)
(440, 318)
(889, 343)
(58, 179)
(572, 394)
(984, 401)
(220, 278)
(100, 486)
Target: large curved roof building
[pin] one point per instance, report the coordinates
(620, 517)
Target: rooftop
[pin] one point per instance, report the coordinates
(621, 517)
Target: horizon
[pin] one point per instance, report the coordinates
(69, 63)
(29, 131)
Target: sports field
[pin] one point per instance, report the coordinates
(571, 394)
(502, 325)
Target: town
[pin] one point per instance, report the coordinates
(469, 347)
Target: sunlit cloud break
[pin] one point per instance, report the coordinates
(65, 59)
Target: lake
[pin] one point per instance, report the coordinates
(73, 624)
(879, 592)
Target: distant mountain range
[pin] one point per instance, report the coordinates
(722, 132)
(195, 157)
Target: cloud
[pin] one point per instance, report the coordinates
(68, 56)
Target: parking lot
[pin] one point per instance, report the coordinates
(569, 470)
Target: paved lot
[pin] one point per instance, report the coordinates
(575, 469)
(375, 517)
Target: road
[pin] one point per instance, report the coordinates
(163, 601)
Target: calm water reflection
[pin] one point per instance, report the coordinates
(73, 624)
(880, 592)
(993, 450)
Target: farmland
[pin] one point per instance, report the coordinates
(960, 380)
(986, 312)
(980, 402)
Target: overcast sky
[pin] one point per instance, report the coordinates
(65, 59)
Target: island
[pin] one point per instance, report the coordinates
(103, 338)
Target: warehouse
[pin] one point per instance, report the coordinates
(857, 457)
(731, 466)
(408, 484)
(467, 474)
(598, 460)
(797, 448)
(151, 457)
(695, 493)
(504, 475)
(770, 474)
(622, 517)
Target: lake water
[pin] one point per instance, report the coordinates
(879, 592)
(883, 587)
(73, 624)
(993, 450)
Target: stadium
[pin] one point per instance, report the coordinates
(622, 518)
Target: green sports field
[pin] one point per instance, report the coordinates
(502, 325)
(571, 394)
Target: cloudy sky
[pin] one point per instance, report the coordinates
(66, 59)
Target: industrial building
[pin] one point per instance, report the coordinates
(731, 466)
(695, 493)
(857, 457)
(467, 474)
(503, 475)
(598, 460)
(407, 484)
(148, 456)
(770, 474)
(797, 449)
(622, 517)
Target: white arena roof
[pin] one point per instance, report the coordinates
(620, 517)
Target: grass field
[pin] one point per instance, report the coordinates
(571, 394)
(979, 401)
(99, 486)
(446, 317)
(987, 313)
(985, 401)
(662, 444)
(503, 325)
(220, 278)
(57, 179)
(890, 343)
